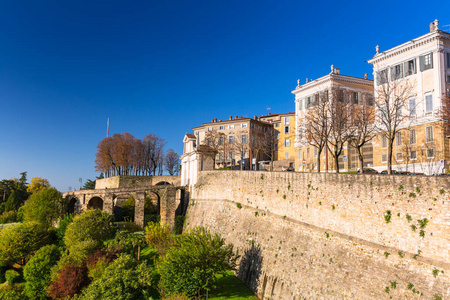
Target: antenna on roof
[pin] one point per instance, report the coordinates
(447, 26)
(268, 110)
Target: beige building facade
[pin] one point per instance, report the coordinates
(234, 140)
(420, 68)
(358, 91)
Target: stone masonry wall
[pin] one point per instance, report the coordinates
(331, 236)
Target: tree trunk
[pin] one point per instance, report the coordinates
(336, 161)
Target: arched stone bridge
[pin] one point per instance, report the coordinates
(110, 192)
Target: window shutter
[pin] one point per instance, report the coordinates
(422, 63)
(431, 60)
(448, 59)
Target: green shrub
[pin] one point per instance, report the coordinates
(45, 206)
(8, 217)
(124, 278)
(62, 227)
(91, 225)
(158, 236)
(151, 219)
(12, 292)
(26, 238)
(192, 259)
(12, 276)
(37, 271)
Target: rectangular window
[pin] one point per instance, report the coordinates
(287, 142)
(307, 152)
(300, 154)
(383, 158)
(399, 109)
(429, 133)
(370, 101)
(286, 155)
(287, 129)
(396, 72)
(426, 62)
(231, 126)
(412, 136)
(429, 102)
(340, 95)
(252, 125)
(316, 152)
(410, 67)
(398, 139)
(413, 155)
(383, 142)
(221, 139)
(412, 107)
(244, 139)
(209, 128)
(448, 59)
(382, 77)
(209, 141)
(231, 155)
(354, 97)
(399, 156)
(430, 153)
(287, 121)
(300, 104)
(231, 140)
(221, 127)
(244, 125)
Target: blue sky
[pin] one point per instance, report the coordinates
(163, 67)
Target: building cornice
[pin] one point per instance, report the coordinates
(332, 77)
(412, 44)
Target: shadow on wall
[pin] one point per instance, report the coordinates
(250, 267)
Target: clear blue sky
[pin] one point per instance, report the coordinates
(163, 67)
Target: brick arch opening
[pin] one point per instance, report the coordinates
(71, 205)
(95, 203)
(163, 183)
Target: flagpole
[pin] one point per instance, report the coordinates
(107, 128)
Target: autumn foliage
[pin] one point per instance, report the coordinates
(70, 280)
(123, 154)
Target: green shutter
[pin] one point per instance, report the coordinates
(422, 63)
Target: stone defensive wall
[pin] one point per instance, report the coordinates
(122, 182)
(331, 236)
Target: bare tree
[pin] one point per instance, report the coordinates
(340, 124)
(256, 145)
(317, 124)
(216, 141)
(241, 145)
(171, 162)
(153, 149)
(270, 144)
(362, 117)
(392, 98)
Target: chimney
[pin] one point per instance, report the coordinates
(215, 119)
(235, 117)
(231, 118)
(365, 75)
(255, 118)
(212, 121)
(338, 71)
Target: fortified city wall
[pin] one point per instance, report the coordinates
(331, 236)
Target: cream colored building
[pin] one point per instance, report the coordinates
(234, 140)
(284, 124)
(359, 91)
(423, 65)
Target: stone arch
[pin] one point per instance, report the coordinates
(71, 207)
(95, 203)
(163, 183)
(155, 200)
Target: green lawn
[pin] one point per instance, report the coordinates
(230, 287)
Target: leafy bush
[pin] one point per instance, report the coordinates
(12, 276)
(194, 257)
(71, 278)
(11, 292)
(26, 238)
(8, 217)
(44, 206)
(91, 225)
(62, 227)
(131, 227)
(124, 278)
(158, 236)
(151, 219)
(37, 271)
